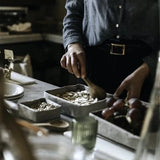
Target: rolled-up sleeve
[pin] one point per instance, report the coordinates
(151, 61)
(72, 22)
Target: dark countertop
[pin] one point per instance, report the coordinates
(30, 37)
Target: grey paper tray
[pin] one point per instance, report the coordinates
(72, 109)
(29, 113)
(120, 135)
(115, 133)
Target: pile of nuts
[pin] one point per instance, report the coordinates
(80, 97)
(42, 106)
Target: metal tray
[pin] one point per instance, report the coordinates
(27, 112)
(72, 109)
(115, 133)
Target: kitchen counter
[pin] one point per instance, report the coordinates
(104, 148)
(30, 37)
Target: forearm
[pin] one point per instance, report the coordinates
(143, 71)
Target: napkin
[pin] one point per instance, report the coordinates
(21, 79)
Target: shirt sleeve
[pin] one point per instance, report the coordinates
(72, 22)
(151, 61)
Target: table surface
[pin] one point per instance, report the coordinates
(103, 145)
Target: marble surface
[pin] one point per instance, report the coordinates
(104, 148)
(35, 91)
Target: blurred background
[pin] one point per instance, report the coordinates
(35, 28)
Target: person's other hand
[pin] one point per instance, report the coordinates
(74, 60)
(133, 83)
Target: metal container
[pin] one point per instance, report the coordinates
(115, 133)
(71, 109)
(28, 112)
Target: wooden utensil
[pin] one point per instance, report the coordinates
(32, 127)
(56, 125)
(94, 90)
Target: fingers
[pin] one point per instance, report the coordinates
(132, 91)
(130, 95)
(74, 63)
(120, 90)
(82, 66)
(63, 61)
(66, 63)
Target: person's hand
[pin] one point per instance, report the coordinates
(133, 83)
(74, 60)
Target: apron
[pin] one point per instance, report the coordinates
(108, 71)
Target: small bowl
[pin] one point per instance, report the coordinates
(33, 110)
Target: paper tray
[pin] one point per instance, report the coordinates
(72, 109)
(115, 133)
(29, 113)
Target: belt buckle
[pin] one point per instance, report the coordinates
(116, 47)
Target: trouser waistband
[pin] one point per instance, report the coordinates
(122, 48)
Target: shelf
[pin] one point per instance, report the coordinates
(53, 38)
(21, 38)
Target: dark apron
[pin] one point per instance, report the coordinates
(108, 71)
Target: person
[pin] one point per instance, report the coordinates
(113, 43)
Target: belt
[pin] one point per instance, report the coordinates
(117, 49)
(127, 48)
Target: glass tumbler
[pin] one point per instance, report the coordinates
(84, 132)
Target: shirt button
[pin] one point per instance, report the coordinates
(117, 25)
(120, 6)
(117, 36)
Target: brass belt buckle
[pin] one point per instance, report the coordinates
(117, 49)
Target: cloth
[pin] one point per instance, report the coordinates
(92, 22)
(21, 79)
(23, 65)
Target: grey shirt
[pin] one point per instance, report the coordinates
(91, 22)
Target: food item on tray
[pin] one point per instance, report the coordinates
(135, 119)
(107, 113)
(41, 106)
(136, 103)
(126, 114)
(80, 97)
(116, 107)
(111, 100)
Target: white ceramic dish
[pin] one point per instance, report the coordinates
(13, 91)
